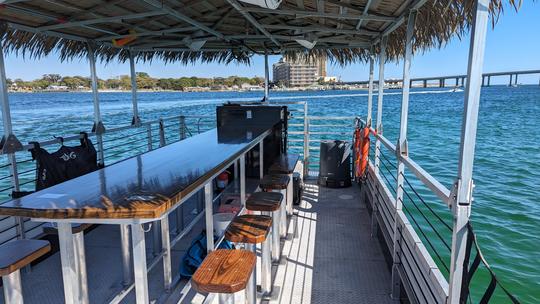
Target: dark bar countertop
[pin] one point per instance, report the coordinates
(141, 187)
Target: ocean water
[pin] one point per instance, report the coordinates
(506, 209)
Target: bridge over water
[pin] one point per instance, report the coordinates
(454, 80)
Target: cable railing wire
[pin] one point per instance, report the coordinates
(426, 204)
(427, 219)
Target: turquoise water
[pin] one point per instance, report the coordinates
(505, 214)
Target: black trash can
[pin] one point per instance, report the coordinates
(335, 164)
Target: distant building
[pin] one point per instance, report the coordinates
(298, 73)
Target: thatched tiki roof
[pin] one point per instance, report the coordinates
(227, 30)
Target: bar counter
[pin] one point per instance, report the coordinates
(142, 187)
(132, 192)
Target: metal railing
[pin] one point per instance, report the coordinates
(420, 233)
(118, 144)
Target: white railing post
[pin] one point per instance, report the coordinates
(98, 127)
(379, 126)
(266, 77)
(9, 144)
(461, 196)
(135, 120)
(306, 140)
(402, 150)
(370, 87)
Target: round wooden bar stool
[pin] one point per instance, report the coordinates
(269, 202)
(285, 164)
(251, 230)
(277, 183)
(224, 272)
(14, 256)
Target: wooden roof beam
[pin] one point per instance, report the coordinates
(255, 23)
(364, 13)
(314, 28)
(182, 17)
(399, 21)
(100, 20)
(306, 14)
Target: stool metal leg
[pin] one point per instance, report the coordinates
(266, 268)
(226, 298)
(290, 195)
(13, 288)
(251, 287)
(283, 215)
(276, 250)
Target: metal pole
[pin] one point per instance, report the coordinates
(13, 293)
(461, 198)
(68, 262)
(162, 142)
(166, 248)
(209, 215)
(261, 159)
(126, 254)
(182, 127)
(306, 141)
(9, 143)
(266, 77)
(379, 128)
(140, 269)
(98, 128)
(370, 87)
(135, 120)
(243, 180)
(402, 150)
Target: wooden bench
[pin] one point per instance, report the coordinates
(225, 272)
(14, 256)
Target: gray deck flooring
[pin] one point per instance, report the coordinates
(329, 257)
(332, 258)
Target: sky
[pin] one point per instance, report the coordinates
(514, 44)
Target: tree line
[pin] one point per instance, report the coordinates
(123, 82)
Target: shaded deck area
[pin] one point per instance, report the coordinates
(329, 257)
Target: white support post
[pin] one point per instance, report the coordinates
(266, 77)
(243, 180)
(9, 143)
(135, 120)
(379, 126)
(461, 198)
(209, 216)
(98, 128)
(306, 141)
(140, 269)
(402, 150)
(370, 87)
(68, 261)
